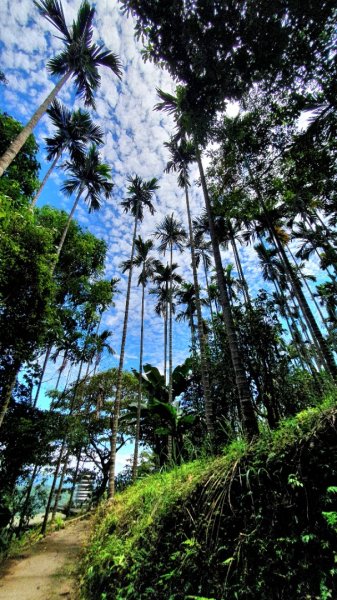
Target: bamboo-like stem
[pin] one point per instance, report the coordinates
(45, 179)
(139, 399)
(248, 414)
(115, 416)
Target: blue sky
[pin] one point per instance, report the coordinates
(134, 136)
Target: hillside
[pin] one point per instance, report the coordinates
(259, 522)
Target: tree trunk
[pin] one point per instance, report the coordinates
(52, 489)
(44, 366)
(317, 306)
(248, 415)
(8, 387)
(240, 270)
(59, 460)
(115, 418)
(193, 340)
(59, 489)
(202, 343)
(74, 482)
(139, 401)
(65, 231)
(319, 341)
(7, 158)
(45, 179)
(170, 340)
(165, 342)
(321, 344)
(23, 512)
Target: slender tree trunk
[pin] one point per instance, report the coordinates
(16, 145)
(44, 366)
(74, 482)
(202, 342)
(8, 388)
(139, 400)
(208, 291)
(31, 483)
(309, 290)
(52, 489)
(248, 415)
(165, 343)
(115, 418)
(321, 344)
(65, 231)
(23, 512)
(318, 338)
(193, 340)
(61, 369)
(240, 270)
(45, 179)
(170, 440)
(59, 460)
(60, 486)
(307, 220)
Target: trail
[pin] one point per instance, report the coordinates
(46, 571)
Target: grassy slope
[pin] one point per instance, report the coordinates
(258, 523)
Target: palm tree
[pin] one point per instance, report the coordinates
(181, 155)
(176, 106)
(186, 295)
(162, 278)
(73, 131)
(171, 234)
(269, 218)
(79, 59)
(139, 198)
(148, 265)
(88, 176)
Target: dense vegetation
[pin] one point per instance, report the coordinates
(254, 516)
(257, 522)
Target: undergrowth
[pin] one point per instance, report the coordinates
(259, 522)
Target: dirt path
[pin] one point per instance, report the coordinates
(46, 572)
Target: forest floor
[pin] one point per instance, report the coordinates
(47, 570)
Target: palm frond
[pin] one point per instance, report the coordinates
(52, 11)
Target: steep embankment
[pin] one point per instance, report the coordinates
(257, 523)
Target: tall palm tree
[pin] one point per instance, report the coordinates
(148, 265)
(171, 235)
(162, 278)
(181, 155)
(176, 106)
(74, 129)
(89, 177)
(269, 218)
(140, 195)
(79, 59)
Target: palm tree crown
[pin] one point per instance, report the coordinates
(73, 130)
(182, 155)
(80, 57)
(143, 259)
(140, 194)
(170, 233)
(91, 176)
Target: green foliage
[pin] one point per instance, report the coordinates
(20, 180)
(259, 519)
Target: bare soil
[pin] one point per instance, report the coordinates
(46, 571)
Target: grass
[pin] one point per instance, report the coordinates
(213, 525)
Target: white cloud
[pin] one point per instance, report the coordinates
(134, 136)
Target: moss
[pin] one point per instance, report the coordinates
(257, 522)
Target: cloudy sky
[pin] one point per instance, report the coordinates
(134, 136)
